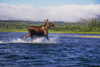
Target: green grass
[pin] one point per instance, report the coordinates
(13, 30)
(50, 31)
(74, 32)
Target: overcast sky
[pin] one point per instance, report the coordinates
(54, 10)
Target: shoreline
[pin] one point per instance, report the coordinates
(69, 32)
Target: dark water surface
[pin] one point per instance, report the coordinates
(63, 50)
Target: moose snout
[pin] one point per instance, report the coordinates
(53, 25)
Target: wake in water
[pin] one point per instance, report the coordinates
(37, 40)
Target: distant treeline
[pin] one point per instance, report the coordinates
(13, 25)
(93, 26)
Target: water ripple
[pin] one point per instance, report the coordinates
(63, 51)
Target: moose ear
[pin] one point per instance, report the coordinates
(44, 20)
(47, 20)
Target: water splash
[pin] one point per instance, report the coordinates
(0, 41)
(19, 40)
(39, 40)
(54, 39)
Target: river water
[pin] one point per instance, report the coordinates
(63, 50)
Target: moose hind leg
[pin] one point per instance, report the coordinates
(31, 38)
(27, 35)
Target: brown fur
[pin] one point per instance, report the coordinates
(39, 31)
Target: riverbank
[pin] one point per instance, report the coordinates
(73, 32)
(50, 31)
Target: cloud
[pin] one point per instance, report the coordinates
(67, 13)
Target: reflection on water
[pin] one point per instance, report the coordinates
(62, 50)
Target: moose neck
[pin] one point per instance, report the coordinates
(47, 25)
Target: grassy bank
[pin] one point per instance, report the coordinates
(74, 32)
(13, 30)
(50, 31)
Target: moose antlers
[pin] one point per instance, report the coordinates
(46, 20)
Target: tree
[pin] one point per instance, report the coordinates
(17, 25)
(7, 26)
(92, 23)
(28, 25)
(24, 26)
(99, 24)
(11, 25)
(95, 22)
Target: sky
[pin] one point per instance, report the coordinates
(39, 3)
(54, 10)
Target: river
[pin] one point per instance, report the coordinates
(63, 50)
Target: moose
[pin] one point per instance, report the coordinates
(39, 31)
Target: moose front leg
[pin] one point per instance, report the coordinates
(47, 38)
(46, 33)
